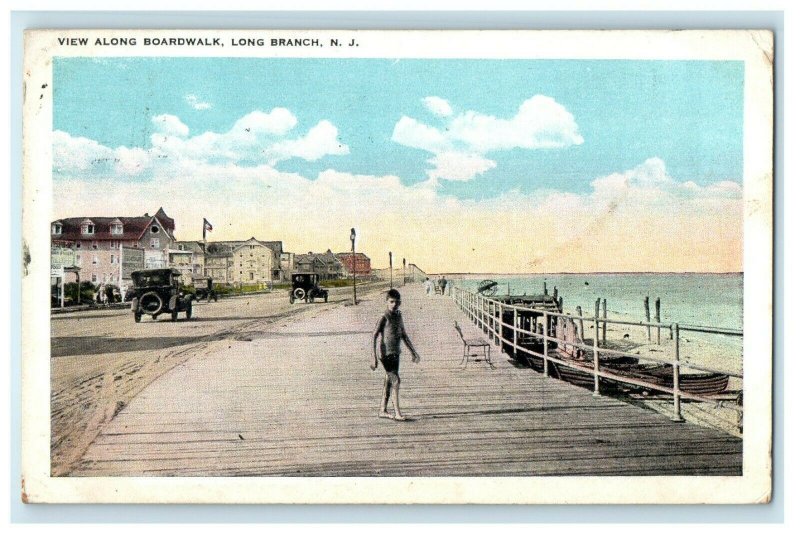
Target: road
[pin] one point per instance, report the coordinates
(101, 359)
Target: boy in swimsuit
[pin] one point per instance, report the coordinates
(391, 331)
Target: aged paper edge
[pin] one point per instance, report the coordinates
(754, 48)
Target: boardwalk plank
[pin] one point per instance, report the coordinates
(300, 400)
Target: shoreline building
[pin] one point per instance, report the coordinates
(108, 249)
(362, 264)
(325, 264)
(238, 262)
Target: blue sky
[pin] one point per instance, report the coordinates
(689, 114)
(489, 136)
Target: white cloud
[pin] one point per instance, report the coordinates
(257, 138)
(540, 122)
(170, 125)
(438, 106)
(320, 141)
(412, 133)
(458, 166)
(645, 220)
(77, 154)
(277, 122)
(196, 103)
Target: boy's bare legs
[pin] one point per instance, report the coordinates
(395, 382)
(387, 389)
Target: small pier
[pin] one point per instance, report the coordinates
(298, 399)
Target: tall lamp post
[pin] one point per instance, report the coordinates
(353, 261)
(391, 272)
(404, 272)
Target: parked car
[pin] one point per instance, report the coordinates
(305, 286)
(157, 291)
(204, 289)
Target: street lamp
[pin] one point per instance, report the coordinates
(404, 272)
(391, 272)
(353, 261)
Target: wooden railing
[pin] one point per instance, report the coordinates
(487, 314)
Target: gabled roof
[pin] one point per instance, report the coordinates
(359, 255)
(222, 248)
(132, 228)
(166, 221)
(324, 257)
(194, 246)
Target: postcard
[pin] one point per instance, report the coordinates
(273, 266)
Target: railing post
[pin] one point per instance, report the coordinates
(676, 374)
(499, 323)
(484, 322)
(494, 322)
(515, 333)
(596, 358)
(546, 339)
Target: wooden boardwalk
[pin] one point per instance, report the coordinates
(299, 399)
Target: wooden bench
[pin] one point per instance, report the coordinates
(476, 343)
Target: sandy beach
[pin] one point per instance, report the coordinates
(707, 351)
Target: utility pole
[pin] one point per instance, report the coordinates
(391, 271)
(404, 272)
(353, 262)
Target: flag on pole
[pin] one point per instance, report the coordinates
(206, 226)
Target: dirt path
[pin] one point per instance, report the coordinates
(101, 359)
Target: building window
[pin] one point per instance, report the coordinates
(78, 244)
(94, 245)
(94, 260)
(252, 276)
(180, 247)
(87, 229)
(112, 259)
(94, 278)
(114, 244)
(154, 229)
(154, 243)
(56, 229)
(77, 259)
(116, 229)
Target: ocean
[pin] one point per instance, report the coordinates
(688, 299)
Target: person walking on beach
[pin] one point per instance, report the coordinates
(391, 330)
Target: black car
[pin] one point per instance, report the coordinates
(204, 289)
(157, 291)
(305, 286)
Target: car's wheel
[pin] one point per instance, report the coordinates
(291, 298)
(311, 299)
(326, 297)
(174, 315)
(137, 317)
(189, 311)
(151, 303)
(299, 293)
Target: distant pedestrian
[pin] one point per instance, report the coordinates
(109, 295)
(391, 330)
(442, 283)
(428, 286)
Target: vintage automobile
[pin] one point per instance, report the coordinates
(157, 291)
(305, 286)
(204, 289)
